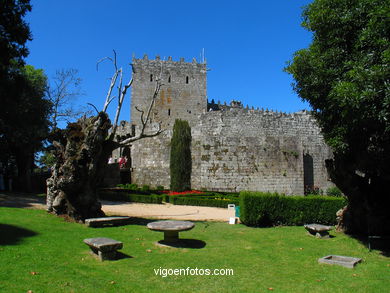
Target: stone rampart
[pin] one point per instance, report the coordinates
(240, 149)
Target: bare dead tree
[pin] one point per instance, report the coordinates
(83, 149)
(62, 92)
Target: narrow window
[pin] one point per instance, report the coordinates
(308, 173)
(133, 130)
(151, 77)
(169, 79)
(169, 112)
(187, 79)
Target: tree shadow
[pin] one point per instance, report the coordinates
(12, 235)
(20, 200)
(183, 243)
(134, 221)
(382, 244)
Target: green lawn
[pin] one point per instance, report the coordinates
(43, 253)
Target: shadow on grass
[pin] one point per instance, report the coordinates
(12, 235)
(135, 221)
(183, 243)
(381, 244)
(121, 255)
(20, 200)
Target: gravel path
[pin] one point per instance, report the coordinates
(150, 211)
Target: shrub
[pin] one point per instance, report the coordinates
(145, 188)
(160, 188)
(131, 186)
(203, 201)
(334, 191)
(180, 159)
(129, 197)
(269, 209)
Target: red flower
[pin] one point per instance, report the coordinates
(185, 192)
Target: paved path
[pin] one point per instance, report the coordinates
(150, 211)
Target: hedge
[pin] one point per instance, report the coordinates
(270, 209)
(129, 197)
(202, 201)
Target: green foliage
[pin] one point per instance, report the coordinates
(334, 191)
(270, 209)
(145, 187)
(130, 197)
(14, 34)
(344, 75)
(129, 186)
(24, 123)
(180, 158)
(47, 160)
(209, 200)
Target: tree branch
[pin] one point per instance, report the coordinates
(94, 107)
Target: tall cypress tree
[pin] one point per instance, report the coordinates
(180, 161)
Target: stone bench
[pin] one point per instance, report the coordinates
(318, 230)
(104, 248)
(106, 221)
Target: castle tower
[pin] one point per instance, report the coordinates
(182, 95)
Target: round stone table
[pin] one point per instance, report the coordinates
(171, 229)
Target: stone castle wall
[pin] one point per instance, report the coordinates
(242, 150)
(233, 149)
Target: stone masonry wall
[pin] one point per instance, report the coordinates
(241, 150)
(182, 95)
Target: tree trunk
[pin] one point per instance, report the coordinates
(368, 202)
(82, 152)
(24, 163)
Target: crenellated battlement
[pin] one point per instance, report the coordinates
(145, 59)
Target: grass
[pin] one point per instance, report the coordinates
(43, 253)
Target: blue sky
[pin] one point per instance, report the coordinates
(246, 43)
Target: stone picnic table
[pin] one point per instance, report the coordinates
(318, 230)
(171, 229)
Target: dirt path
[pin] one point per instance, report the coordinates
(151, 211)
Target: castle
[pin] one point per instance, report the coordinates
(233, 148)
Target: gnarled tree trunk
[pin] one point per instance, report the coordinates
(367, 212)
(82, 152)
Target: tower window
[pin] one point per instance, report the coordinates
(169, 79)
(169, 112)
(187, 79)
(151, 77)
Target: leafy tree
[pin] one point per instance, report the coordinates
(180, 159)
(25, 122)
(47, 160)
(14, 34)
(344, 75)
